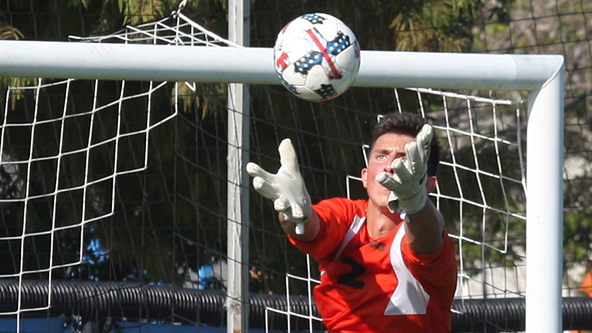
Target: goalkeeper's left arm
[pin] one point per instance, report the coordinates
(410, 184)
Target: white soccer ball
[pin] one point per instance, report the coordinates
(316, 57)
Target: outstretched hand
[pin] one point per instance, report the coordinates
(408, 180)
(285, 188)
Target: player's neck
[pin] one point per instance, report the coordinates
(379, 222)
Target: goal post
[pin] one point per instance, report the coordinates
(540, 75)
(253, 65)
(544, 206)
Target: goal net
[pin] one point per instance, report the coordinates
(114, 191)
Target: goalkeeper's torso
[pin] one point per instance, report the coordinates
(378, 285)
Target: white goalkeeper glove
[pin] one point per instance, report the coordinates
(408, 180)
(286, 188)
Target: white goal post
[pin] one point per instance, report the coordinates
(540, 75)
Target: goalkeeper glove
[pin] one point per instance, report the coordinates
(408, 180)
(285, 188)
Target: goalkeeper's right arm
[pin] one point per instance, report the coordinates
(310, 231)
(288, 192)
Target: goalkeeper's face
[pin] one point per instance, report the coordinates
(385, 149)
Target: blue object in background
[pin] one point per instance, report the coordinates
(205, 277)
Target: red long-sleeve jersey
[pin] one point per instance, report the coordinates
(378, 285)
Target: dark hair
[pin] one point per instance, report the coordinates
(407, 124)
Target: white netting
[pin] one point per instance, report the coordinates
(177, 29)
(481, 189)
(43, 141)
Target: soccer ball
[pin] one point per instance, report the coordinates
(316, 57)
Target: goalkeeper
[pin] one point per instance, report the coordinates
(386, 263)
